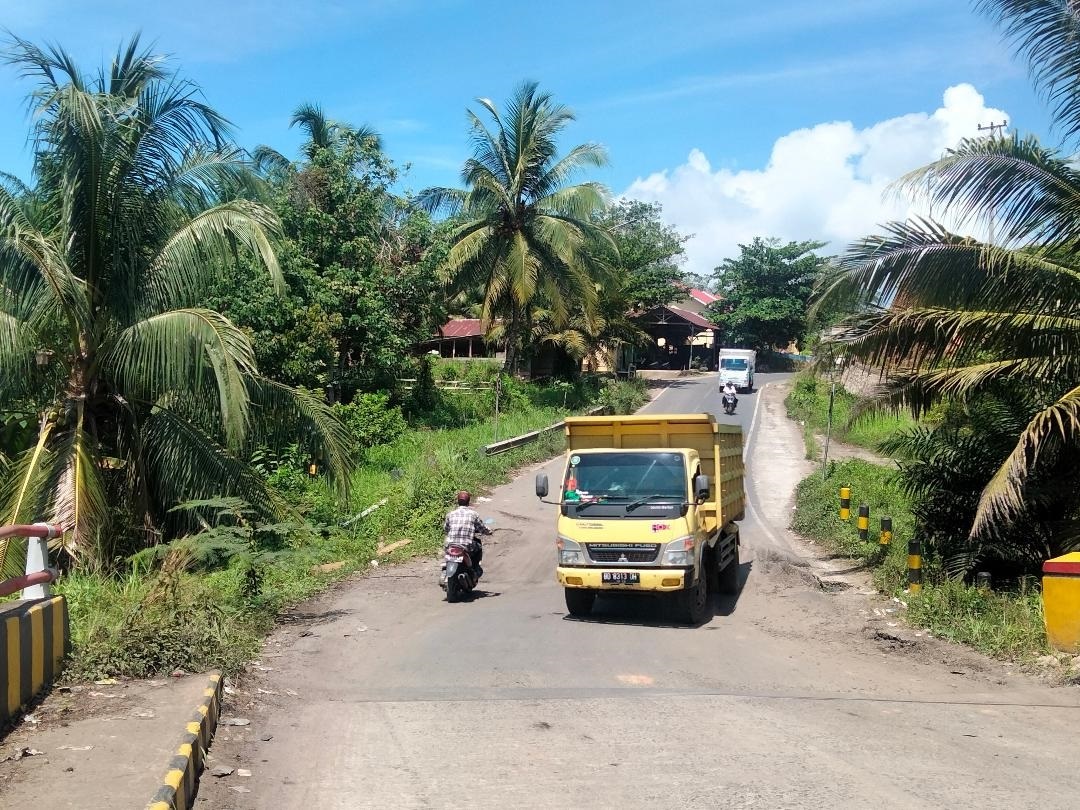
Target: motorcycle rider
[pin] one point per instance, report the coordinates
(463, 526)
(729, 392)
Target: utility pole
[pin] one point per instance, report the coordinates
(994, 130)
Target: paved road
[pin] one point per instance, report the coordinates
(790, 696)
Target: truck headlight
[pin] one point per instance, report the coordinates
(680, 552)
(570, 552)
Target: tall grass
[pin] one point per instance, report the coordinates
(809, 402)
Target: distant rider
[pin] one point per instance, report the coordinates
(729, 391)
(462, 525)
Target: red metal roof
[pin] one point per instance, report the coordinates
(703, 297)
(463, 328)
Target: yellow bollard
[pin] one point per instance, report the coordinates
(864, 521)
(845, 503)
(885, 538)
(914, 566)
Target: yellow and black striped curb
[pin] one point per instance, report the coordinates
(34, 638)
(177, 790)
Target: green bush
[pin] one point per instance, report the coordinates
(624, 396)
(371, 419)
(808, 402)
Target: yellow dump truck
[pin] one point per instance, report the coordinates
(649, 503)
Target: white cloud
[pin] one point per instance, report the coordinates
(827, 182)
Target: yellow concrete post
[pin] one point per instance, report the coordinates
(1061, 602)
(885, 538)
(845, 503)
(914, 565)
(864, 521)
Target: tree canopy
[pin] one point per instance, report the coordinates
(765, 293)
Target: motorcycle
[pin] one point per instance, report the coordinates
(459, 574)
(729, 401)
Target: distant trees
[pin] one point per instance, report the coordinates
(351, 253)
(765, 293)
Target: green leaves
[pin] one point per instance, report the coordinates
(765, 293)
(523, 235)
(146, 397)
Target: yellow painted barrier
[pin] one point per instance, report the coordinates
(885, 538)
(845, 503)
(34, 638)
(914, 565)
(1061, 602)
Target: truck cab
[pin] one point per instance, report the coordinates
(648, 504)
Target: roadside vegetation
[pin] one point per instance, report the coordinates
(978, 340)
(808, 404)
(214, 361)
(1005, 622)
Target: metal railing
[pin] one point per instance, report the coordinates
(532, 436)
(35, 583)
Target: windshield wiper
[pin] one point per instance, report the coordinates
(642, 501)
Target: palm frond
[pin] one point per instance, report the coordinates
(1046, 32)
(174, 351)
(1054, 426)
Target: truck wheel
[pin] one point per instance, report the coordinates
(692, 603)
(579, 601)
(712, 570)
(729, 577)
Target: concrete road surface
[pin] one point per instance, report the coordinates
(381, 694)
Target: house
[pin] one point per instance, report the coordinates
(462, 338)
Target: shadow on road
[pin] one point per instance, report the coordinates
(655, 610)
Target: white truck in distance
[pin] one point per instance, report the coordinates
(737, 367)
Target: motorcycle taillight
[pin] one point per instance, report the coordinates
(455, 551)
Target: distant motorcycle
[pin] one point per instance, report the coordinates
(459, 574)
(729, 401)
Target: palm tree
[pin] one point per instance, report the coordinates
(522, 234)
(322, 133)
(974, 315)
(145, 398)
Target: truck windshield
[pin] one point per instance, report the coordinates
(612, 482)
(733, 363)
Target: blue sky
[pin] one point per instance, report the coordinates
(711, 108)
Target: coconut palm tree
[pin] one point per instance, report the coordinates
(145, 397)
(322, 133)
(971, 315)
(523, 234)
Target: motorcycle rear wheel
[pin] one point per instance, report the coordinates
(453, 591)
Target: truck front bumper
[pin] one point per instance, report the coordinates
(661, 579)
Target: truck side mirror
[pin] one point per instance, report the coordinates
(541, 485)
(701, 488)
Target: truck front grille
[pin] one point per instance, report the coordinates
(623, 552)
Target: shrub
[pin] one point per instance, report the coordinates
(371, 419)
(624, 396)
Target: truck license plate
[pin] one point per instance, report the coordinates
(620, 577)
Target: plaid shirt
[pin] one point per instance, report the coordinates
(462, 525)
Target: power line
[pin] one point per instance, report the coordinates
(993, 128)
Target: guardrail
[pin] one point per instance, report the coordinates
(34, 584)
(532, 436)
